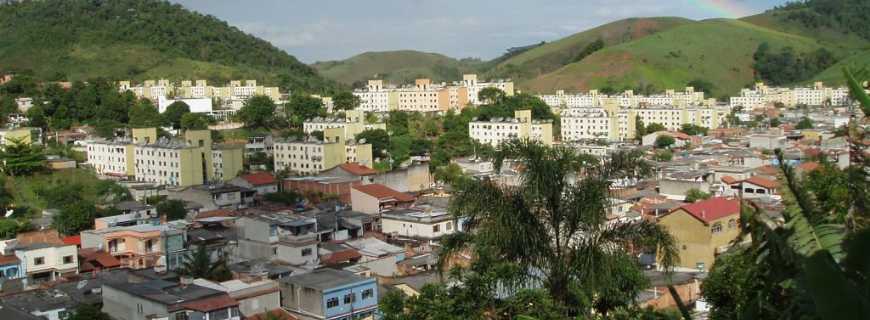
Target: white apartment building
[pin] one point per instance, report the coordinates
(199, 89)
(585, 123)
(626, 99)
(424, 96)
(375, 97)
(499, 130)
(818, 95)
(168, 163)
(110, 158)
(474, 86)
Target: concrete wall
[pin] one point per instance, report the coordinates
(293, 254)
(412, 179)
(121, 305)
(676, 189)
(416, 229)
(297, 298)
(695, 242)
(259, 304)
(364, 203)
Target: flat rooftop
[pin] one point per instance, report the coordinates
(325, 279)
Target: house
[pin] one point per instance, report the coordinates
(95, 260)
(703, 230)
(378, 257)
(426, 224)
(42, 256)
(139, 246)
(352, 170)
(284, 236)
(132, 213)
(254, 296)
(159, 299)
(680, 139)
(767, 141)
(216, 234)
(757, 187)
(10, 267)
(339, 186)
(376, 198)
(218, 196)
(261, 182)
(329, 294)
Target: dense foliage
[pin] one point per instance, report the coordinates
(79, 39)
(789, 66)
(596, 45)
(847, 15)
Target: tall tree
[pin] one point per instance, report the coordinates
(20, 157)
(490, 95)
(345, 100)
(199, 264)
(144, 115)
(194, 121)
(173, 113)
(257, 112)
(303, 107)
(553, 225)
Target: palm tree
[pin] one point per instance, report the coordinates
(553, 225)
(199, 265)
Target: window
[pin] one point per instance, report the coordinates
(149, 246)
(306, 252)
(67, 259)
(436, 228)
(275, 250)
(368, 293)
(349, 298)
(181, 316)
(732, 224)
(717, 227)
(449, 225)
(39, 261)
(332, 302)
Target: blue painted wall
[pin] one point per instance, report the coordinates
(358, 304)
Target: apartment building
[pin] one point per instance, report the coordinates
(352, 124)
(617, 123)
(521, 126)
(817, 95)
(425, 96)
(308, 157)
(199, 89)
(627, 99)
(186, 161)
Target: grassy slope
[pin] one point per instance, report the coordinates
(719, 51)
(138, 39)
(394, 66)
(554, 55)
(23, 189)
(834, 74)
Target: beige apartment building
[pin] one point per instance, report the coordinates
(817, 95)
(617, 123)
(312, 157)
(521, 126)
(234, 90)
(352, 124)
(425, 96)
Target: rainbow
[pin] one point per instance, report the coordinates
(724, 8)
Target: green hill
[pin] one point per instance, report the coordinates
(552, 56)
(396, 67)
(719, 51)
(834, 74)
(138, 39)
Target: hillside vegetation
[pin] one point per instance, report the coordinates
(554, 55)
(138, 39)
(719, 51)
(395, 67)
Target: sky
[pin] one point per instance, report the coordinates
(322, 30)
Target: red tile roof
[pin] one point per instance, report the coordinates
(214, 213)
(358, 169)
(808, 166)
(341, 256)
(259, 178)
(767, 170)
(764, 182)
(383, 192)
(729, 180)
(712, 209)
(76, 240)
(8, 259)
(210, 304)
(103, 258)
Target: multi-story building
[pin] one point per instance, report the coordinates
(330, 294)
(136, 247)
(425, 224)
(313, 156)
(47, 261)
(817, 95)
(199, 89)
(617, 123)
(188, 161)
(352, 124)
(627, 99)
(425, 96)
(703, 230)
(498, 130)
(159, 299)
(585, 123)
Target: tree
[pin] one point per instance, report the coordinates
(75, 217)
(398, 123)
(194, 121)
(257, 112)
(639, 128)
(173, 113)
(173, 209)
(400, 149)
(19, 158)
(774, 122)
(663, 155)
(345, 100)
(144, 115)
(86, 311)
(490, 95)
(378, 138)
(655, 127)
(199, 264)
(596, 45)
(694, 130)
(554, 227)
(317, 134)
(36, 117)
(693, 195)
(804, 123)
(704, 86)
(284, 197)
(303, 107)
(664, 141)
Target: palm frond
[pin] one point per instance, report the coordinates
(853, 80)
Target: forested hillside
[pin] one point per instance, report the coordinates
(138, 39)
